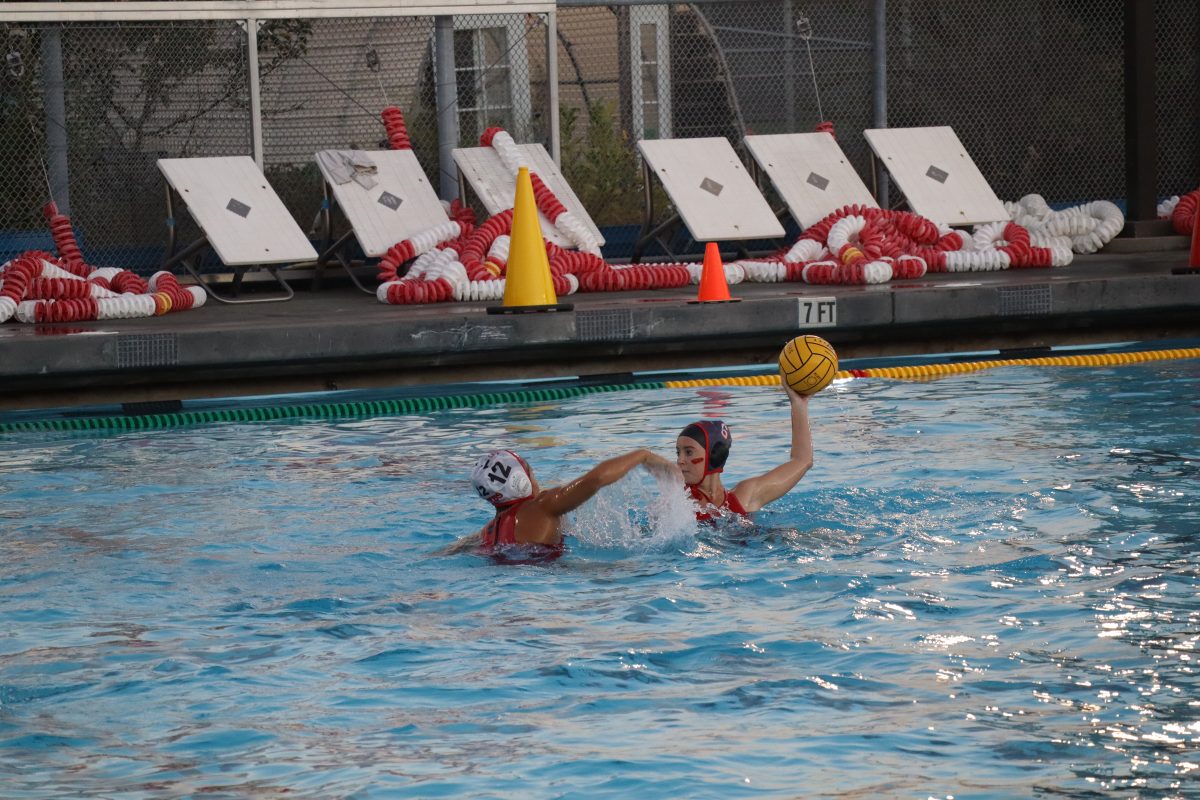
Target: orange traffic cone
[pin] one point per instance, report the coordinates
(713, 287)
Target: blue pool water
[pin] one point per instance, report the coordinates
(986, 587)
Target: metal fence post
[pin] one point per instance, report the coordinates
(447, 102)
(1141, 121)
(880, 114)
(53, 89)
(256, 131)
(552, 83)
(789, 66)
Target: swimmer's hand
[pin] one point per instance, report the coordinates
(794, 397)
(660, 467)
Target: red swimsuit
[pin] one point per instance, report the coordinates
(501, 532)
(731, 504)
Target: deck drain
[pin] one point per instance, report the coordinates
(147, 350)
(604, 326)
(1018, 301)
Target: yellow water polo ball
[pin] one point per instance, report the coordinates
(808, 364)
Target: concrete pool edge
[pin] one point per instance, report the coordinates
(341, 339)
(351, 404)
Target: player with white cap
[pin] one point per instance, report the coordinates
(526, 514)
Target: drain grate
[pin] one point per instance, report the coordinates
(604, 326)
(147, 350)
(1025, 300)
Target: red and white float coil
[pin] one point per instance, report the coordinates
(1181, 211)
(567, 222)
(39, 287)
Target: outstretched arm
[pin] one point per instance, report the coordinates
(754, 493)
(574, 494)
(464, 545)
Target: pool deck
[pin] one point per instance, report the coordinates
(340, 338)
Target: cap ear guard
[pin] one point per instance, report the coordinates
(718, 455)
(713, 435)
(502, 477)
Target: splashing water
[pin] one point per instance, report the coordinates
(639, 513)
(953, 601)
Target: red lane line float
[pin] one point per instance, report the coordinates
(566, 222)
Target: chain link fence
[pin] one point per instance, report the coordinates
(339, 74)
(134, 93)
(130, 94)
(1034, 89)
(1177, 74)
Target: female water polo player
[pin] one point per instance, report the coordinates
(526, 514)
(703, 447)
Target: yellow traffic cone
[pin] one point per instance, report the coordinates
(527, 286)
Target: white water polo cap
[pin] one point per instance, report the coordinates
(502, 477)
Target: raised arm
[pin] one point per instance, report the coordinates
(574, 494)
(754, 493)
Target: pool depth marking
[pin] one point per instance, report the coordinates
(817, 312)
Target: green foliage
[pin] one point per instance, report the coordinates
(601, 165)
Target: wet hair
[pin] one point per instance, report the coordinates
(713, 435)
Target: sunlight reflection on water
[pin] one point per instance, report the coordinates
(987, 586)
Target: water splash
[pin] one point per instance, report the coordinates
(640, 513)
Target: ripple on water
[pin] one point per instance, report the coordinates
(956, 600)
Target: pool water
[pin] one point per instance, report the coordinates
(986, 587)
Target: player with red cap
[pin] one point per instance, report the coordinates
(703, 447)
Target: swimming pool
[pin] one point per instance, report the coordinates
(986, 587)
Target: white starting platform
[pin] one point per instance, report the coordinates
(937, 175)
(241, 217)
(712, 192)
(811, 174)
(401, 204)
